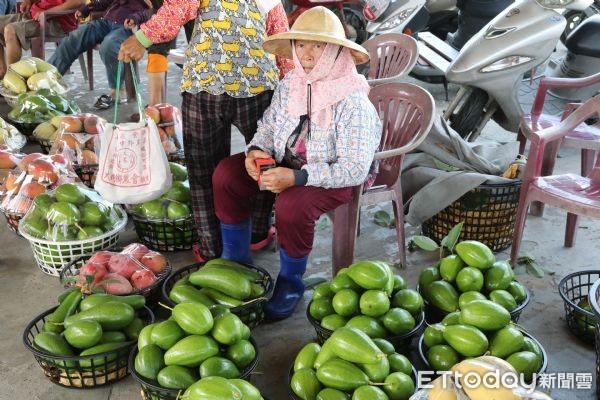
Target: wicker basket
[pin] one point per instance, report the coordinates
(488, 213)
(52, 256)
(574, 288)
(400, 342)
(151, 390)
(45, 144)
(423, 351)
(251, 314)
(152, 293)
(166, 234)
(66, 371)
(594, 299)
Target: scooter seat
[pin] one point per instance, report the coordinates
(585, 39)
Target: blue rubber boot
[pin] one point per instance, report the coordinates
(236, 241)
(289, 287)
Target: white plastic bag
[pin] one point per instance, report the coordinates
(133, 167)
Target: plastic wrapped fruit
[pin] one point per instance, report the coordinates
(168, 119)
(77, 138)
(10, 136)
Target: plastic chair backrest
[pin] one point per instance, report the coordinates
(406, 112)
(392, 56)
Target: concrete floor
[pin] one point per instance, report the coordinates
(25, 291)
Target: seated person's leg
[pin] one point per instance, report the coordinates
(5, 20)
(109, 53)
(85, 37)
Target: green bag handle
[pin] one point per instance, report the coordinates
(138, 97)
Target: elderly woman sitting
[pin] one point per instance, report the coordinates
(322, 131)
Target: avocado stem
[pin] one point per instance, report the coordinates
(165, 306)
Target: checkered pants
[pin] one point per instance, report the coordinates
(207, 121)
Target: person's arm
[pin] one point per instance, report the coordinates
(95, 5)
(357, 137)
(277, 22)
(140, 17)
(68, 5)
(165, 24)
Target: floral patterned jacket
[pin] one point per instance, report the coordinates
(337, 157)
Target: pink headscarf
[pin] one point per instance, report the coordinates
(331, 80)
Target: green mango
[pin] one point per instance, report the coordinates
(191, 351)
(304, 384)
(189, 294)
(83, 334)
(503, 298)
(320, 308)
(227, 281)
(166, 334)
(449, 267)
(378, 371)
(369, 275)
(217, 310)
(451, 319)
(399, 363)
(369, 325)
(145, 336)
(306, 356)
(354, 346)
(369, 393)
(434, 335)
(54, 322)
(506, 341)
(332, 394)
(219, 366)
(468, 297)
(485, 315)
(112, 337)
(241, 353)
(176, 377)
(427, 276)
(112, 315)
(442, 295)
(517, 291)
(442, 357)
(341, 375)
(499, 276)
(136, 301)
(525, 362)
(324, 355)
(227, 329)
(221, 263)
(134, 328)
(466, 340)
(94, 362)
(384, 346)
(341, 282)
(409, 299)
(149, 361)
(249, 392)
(333, 321)
(398, 386)
(178, 171)
(323, 291)
(475, 254)
(221, 298)
(193, 318)
(213, 388)
(52, 343)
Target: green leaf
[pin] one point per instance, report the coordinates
(382, 218)
(443, 166)
(425, 243)
(451, 238)
(533, 269)
(519, 270)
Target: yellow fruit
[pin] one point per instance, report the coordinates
(14, 83)
(24, 67)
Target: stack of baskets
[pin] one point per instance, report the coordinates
(166, 234)
(488, 213)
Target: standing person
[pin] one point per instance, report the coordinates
(16, 29)
(228, 79)
(109, 32)
(322, 131)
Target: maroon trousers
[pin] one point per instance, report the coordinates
(296, 209)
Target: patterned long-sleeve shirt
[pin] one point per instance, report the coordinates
(339, 156)
(225, 53)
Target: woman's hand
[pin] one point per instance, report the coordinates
(249, 162)
(129, 23)
(277, 179)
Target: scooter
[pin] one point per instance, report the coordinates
(349, 12)
(574, 18)
(492, 63)
(582, 59)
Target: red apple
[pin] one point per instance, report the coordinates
(142, 279)
(6, 160)
(122, 286)
(123, 264)
(101, 257)
(92, 125)
(136, 250)
(43, 171)
(58, 159)
(32, 190)
(166, 113)
(88, 157)
(98, 271)
(71, 124)
(152, 113)
(27, 159)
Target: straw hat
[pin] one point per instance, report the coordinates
(318, 24)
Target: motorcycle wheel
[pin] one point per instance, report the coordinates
(357, 26)
(466, 119)
(574, 18)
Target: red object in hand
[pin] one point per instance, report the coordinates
(263, 164)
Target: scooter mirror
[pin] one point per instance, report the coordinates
(568, 4)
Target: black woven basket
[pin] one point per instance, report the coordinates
(434, 315)
(45, 144)
(423, 351)
(87, 174)
(12, 219)
(251, 313)
(151, 390)
(573, 288)
(294, 397)
(594, 299)
(26, 128)
(400, 342)
(177, 157)
(488, 213)
(166, 234)
(152, 293)
(67, 371)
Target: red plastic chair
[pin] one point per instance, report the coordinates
(583, 136)
(392, 56)
(407, 113)
(577, 194)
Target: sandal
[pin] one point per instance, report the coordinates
(105, 102)
(266, 241)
